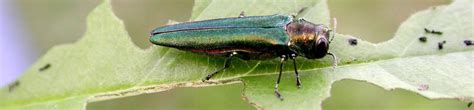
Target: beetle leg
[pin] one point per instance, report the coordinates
(242, 14)
(226, 65)
(277, 94)
(298, 81)
(334, 60)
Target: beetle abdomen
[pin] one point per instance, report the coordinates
(255, 37)
(220, 41)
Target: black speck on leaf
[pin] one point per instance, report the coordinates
(440, 45)
(437, 32)
(422, 39)
(12, 86)
(468, 42)
(433, 31)
(45, 67)
(352, 41)
(427, 31)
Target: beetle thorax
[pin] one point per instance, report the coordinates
(304, 37)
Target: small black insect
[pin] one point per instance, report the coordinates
(440, 44)
(12, 86)
(422, 39)
(433, 31)
(45, 67)
(468, 42)
(427, 30)
(437, 32)
(352, 41)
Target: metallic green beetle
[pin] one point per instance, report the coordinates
(249, 38)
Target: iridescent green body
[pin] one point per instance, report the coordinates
(255, 37)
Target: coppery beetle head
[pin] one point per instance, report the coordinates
(308, 39)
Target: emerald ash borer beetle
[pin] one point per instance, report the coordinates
(249, 38)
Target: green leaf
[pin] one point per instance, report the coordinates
(105, 64)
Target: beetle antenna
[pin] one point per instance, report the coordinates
(301, 12)
(334, 26)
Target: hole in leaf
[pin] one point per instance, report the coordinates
(54, 22)
(357, 95)
(189, 98)
(142, 16)
(375, 20)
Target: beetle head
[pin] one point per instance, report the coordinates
(308, 39)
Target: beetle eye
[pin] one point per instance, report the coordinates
(322, 45)
(320, 48)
